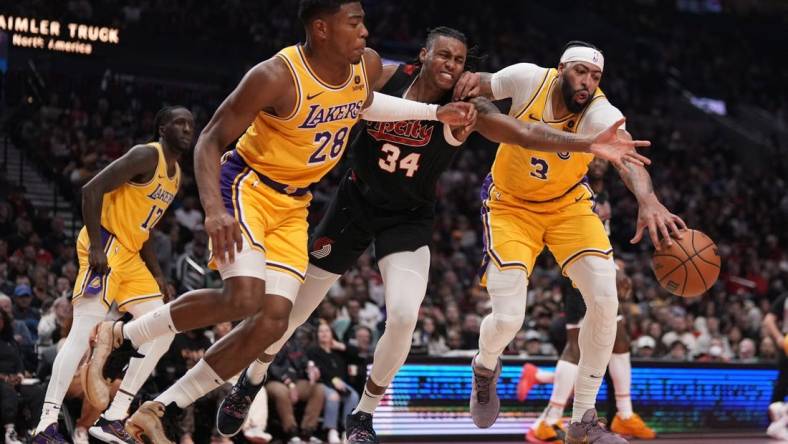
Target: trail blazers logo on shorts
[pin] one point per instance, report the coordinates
(322, 247)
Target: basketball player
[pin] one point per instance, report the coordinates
(548, 427)
(533, 199)
(388, 197)
(117, 265)
(293, 114)
(778, 411)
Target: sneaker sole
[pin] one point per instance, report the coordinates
(532, 438)
(95, 386)
(101, 435)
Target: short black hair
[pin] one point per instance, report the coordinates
(473, 58)
(164, 116)
(574, 43)
(434, 33)
(309, 10)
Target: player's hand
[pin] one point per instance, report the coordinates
(225, 234)
(457, 114)
(97, 259)
(609, 146)
(167, 291)
(653, 216)
(468, 85)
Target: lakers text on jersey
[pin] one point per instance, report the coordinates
(535, 199)
(265, 180)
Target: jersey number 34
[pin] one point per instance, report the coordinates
(392, 161)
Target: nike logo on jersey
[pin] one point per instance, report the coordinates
(312, 96)
(532, 116)
(595, 376)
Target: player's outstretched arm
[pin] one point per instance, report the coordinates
(652, 215)
(264, 87)
(384, 108)
(502, 128)
(138, 163)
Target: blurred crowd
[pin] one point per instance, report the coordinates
(81, 123)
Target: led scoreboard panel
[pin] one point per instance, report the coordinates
(429, 397)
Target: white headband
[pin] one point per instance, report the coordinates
(584, 54)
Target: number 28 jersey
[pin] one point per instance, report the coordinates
(401, 162)
(299, 149)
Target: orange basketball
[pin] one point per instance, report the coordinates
(689, 267)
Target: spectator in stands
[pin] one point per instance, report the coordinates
(23, 311)
(16, 398)
(644, 347)
(428, 339)
(291, 380)
(188, 216)
(358, 363)
(331, 357)
(678, 351)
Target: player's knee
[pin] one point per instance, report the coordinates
(507, 283)
(333, 396)
(401, 319)
(596, 279)
(243, 296)
(508, 324)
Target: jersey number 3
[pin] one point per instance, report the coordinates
(540, 168)
(409, 163)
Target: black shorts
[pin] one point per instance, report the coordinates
(352, 223)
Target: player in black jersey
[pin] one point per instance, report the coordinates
(388, 198)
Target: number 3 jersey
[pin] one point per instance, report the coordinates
(535, 176)
(299, 149)
(398, 164)
(130, 211)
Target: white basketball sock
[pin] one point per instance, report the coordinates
(196, 383)
(368, 402)
(596, 279)
(565, 375)
(139, 368)
(256, 371)
(67, 361)
(150, 326)
(543, 377)
(620, 369)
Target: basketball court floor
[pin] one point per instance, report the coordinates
(711, 438)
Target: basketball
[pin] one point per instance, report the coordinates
(690, 266)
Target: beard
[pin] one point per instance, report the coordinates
(569, 97)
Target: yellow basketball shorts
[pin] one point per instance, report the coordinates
(272, 221)
(516, 231)
(127, 282)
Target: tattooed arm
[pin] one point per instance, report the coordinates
(651, 213)
(503, 128)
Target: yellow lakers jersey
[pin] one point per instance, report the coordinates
(299, 149)
(538, 176)
(132, 210)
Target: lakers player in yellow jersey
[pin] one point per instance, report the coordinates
(293, 114)
(118, 266)
(532, 200)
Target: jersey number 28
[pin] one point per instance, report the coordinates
(409, 163)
